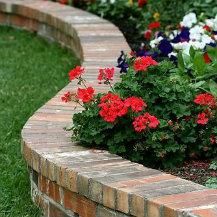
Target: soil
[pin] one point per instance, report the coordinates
(196, 171)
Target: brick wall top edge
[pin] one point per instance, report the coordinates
(48, 149)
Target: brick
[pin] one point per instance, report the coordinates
(153, 210)
(109, 197)
(95, 191)
(83, 185)
(53, 191)
(56, 211)
(122, 201)
(70, 200)
(43, 184)
(205, 212)
(137, 206)
(104, 212)
(71, 180)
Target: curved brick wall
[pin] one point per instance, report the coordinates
(69, 180)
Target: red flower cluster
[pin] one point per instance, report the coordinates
(142, 63)
(202, 119)
(148, 34)
(85, 95)
(66, 97)
(76, 73)
(145, 121)
(135, 103)
(111, 107)
(205, 99)
(154, 25)
(106, 74)
(63, 2)
(141, 3)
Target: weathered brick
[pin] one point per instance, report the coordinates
(137, 205)
(109, 197)
(56, 211)
(53, 191)
(95, 191)
(104, 212)
(123, 201)
(83, 185)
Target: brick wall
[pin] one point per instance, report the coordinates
(69, 180)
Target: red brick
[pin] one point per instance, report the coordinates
(53, 191)
(205, 212)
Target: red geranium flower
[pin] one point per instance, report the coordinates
(141, 122)
(205, 99)
(135, 103)
(85, 95)
(76, 73)
(154, 25)
(207, 28)
(148, 34)
(106, 74)
(112, 107)
(142, 63)
(66, 97)
(141, 3)
(202, 119)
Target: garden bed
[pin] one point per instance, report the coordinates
(68, 179)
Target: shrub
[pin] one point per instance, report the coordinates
(158, 114)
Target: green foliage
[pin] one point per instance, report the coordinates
(169, 92)
(133, 20)
(212, 181)
(29, 77)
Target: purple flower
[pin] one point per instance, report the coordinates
(122, 63)
(165, 47)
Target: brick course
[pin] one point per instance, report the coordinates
(72, 181)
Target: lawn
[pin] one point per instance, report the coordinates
(32, 71)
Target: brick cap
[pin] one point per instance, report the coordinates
(102, 177)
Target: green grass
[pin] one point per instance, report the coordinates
(32, 70)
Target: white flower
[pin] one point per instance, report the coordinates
(155, 42)
(212, 23)
(189, 20)
(172, 54)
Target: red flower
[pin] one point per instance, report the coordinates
(141, 3)
(207, 28)
(141, 122)
(205, 99)
(153, 122)
(154, 25)
(112, 107)
(148, 34)
(76, 73)
(106, 74)
(207, 58)
(85, 95)
(213, 139)
(202, 119)
(142, 63)
(63, 2)
(66, 97)
(135, 103)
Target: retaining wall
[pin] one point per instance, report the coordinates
(69, 180)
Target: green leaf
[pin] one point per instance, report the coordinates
(199, 64)
(181, 63)
(213, 87)
(212, 53)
